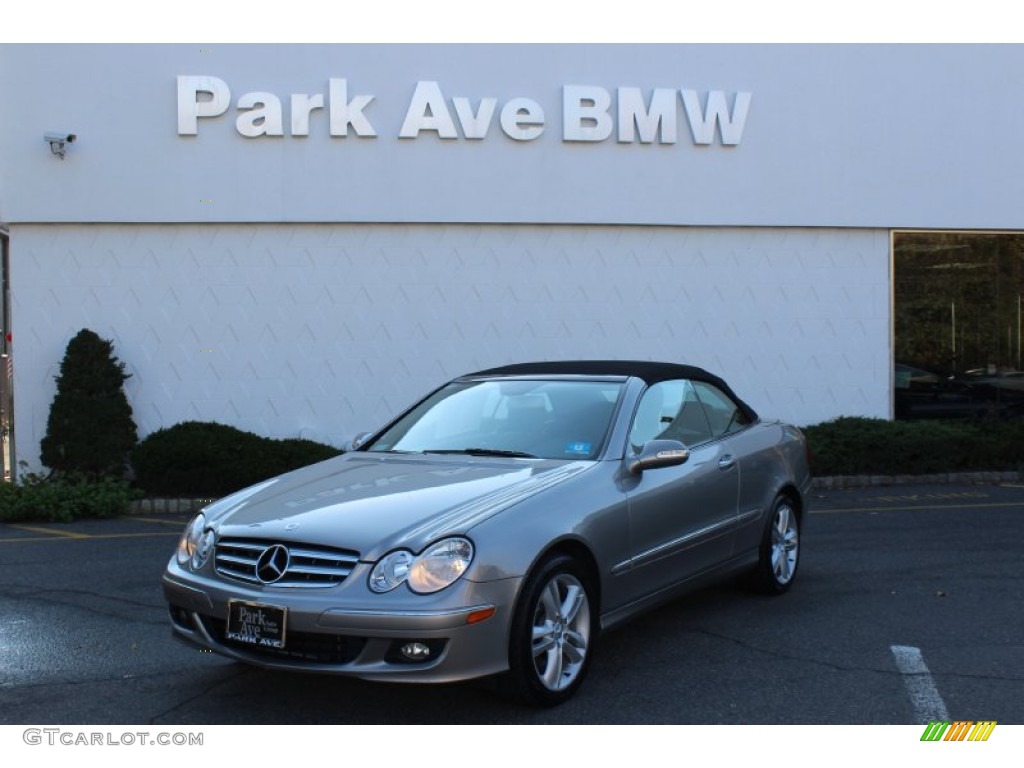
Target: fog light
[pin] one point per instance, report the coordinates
(416, 651)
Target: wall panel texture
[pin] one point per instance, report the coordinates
(324, 330)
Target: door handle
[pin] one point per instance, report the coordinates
(727, 462)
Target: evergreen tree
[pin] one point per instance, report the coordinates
(90, 429)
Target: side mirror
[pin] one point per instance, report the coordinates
(356, 441)
(656, 454)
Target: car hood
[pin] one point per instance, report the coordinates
(372, 503)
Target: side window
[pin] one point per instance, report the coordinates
(723, 414)
(669, 410)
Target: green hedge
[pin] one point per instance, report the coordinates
(71, 497)
(861, 446)
(196, 459)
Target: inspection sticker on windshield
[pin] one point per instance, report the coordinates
(256, 624)
(578, 448)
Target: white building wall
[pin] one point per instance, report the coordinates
(323, 330)
(852, 136)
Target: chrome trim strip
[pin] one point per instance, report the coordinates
(237, 575)
(708, 531)
(186, 596)
(748, 515)
(399, 621)
(319, 569)
(358, 613)
(179, 585)
(313, 554)
(235, 560)
(230, 544)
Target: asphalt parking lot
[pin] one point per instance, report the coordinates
(907, 607)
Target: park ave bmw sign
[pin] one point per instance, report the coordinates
(589, 113)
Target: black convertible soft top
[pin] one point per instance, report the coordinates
(650, 372)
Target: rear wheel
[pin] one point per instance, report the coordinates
(780, 549)
(552, 633)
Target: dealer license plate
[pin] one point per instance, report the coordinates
(256, 624)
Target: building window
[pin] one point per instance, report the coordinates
(957, 322)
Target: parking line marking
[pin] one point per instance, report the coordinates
(154, 522)
(924, 696)
(131, 535)
(51, 531)
(87, 537)
(882, 507)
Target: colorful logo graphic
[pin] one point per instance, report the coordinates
(961, 730)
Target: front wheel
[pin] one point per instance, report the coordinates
(552, 633)
(780, 550)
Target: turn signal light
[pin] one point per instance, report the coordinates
(482, 615)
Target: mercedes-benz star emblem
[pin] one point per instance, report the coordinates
(272, 564)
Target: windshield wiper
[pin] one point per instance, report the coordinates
(485, 452)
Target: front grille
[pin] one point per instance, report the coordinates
(299, 646)
(309, 565)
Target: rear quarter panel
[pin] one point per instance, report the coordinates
(773, 459)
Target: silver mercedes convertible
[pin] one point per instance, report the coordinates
(497, 527)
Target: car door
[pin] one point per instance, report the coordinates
(681, 518)
(753, 450)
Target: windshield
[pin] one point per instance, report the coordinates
(525, 419)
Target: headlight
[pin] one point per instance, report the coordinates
(203, 549)
(195, 545)
(435, 568)
(390, 571)
(440, 565)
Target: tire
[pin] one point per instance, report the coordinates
(553, 633)
(779, 555)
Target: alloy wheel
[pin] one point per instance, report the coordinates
(785, 543)
(561, 631)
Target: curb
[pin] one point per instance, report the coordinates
(840, 482)
(167, 506)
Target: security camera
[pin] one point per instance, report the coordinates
(58, 140)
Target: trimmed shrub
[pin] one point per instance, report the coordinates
(90, 429)
(861, 446)
(196, 459)
(63, 499)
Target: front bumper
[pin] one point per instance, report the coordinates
(347, 630)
